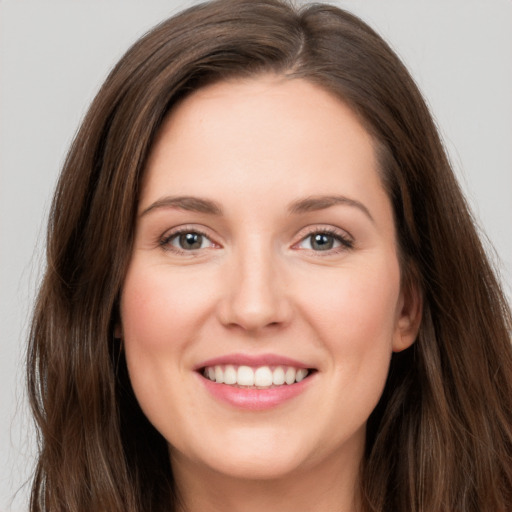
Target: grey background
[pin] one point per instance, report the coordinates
(55, 54)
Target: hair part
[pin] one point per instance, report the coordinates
(440, 438)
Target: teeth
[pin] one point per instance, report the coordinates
(261, 377)
(289, 376)
(278, 376)
(301, 374)
(219, 375)
(244, 376)
(229, 374)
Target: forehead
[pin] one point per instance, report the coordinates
(255, 132)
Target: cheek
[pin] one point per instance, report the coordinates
(356, 304)
(160, 310)
(160, 314)
(355, 322)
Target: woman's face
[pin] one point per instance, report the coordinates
(265, 250)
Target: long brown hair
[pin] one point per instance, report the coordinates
(440, 439)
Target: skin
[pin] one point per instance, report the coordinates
(257, 285)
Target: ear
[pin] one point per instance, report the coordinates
(409, 313)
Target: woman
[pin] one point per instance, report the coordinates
(264, 287)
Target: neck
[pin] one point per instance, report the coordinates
(330, 487)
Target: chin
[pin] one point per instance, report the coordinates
(258, 457)
(257, 468)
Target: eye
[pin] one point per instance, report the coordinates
(324, 241)
(187, 241)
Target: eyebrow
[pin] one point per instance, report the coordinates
(315, 203)
(189, 203)
(308, 204)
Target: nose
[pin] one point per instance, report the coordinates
(255, 295)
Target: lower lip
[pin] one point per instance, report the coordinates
(255, 399)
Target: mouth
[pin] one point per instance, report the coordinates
(255, 382)
(255, 377)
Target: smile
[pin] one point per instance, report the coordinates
(261, 377)
(255, 383)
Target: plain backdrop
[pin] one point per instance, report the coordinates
(55, 54)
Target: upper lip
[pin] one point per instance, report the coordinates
(252, 360)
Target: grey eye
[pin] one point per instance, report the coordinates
(190, 241)
(320, 242)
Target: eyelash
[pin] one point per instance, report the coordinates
(165, 241)
(346, 243)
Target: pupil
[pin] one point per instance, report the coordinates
(191, 241)
(322, 242)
